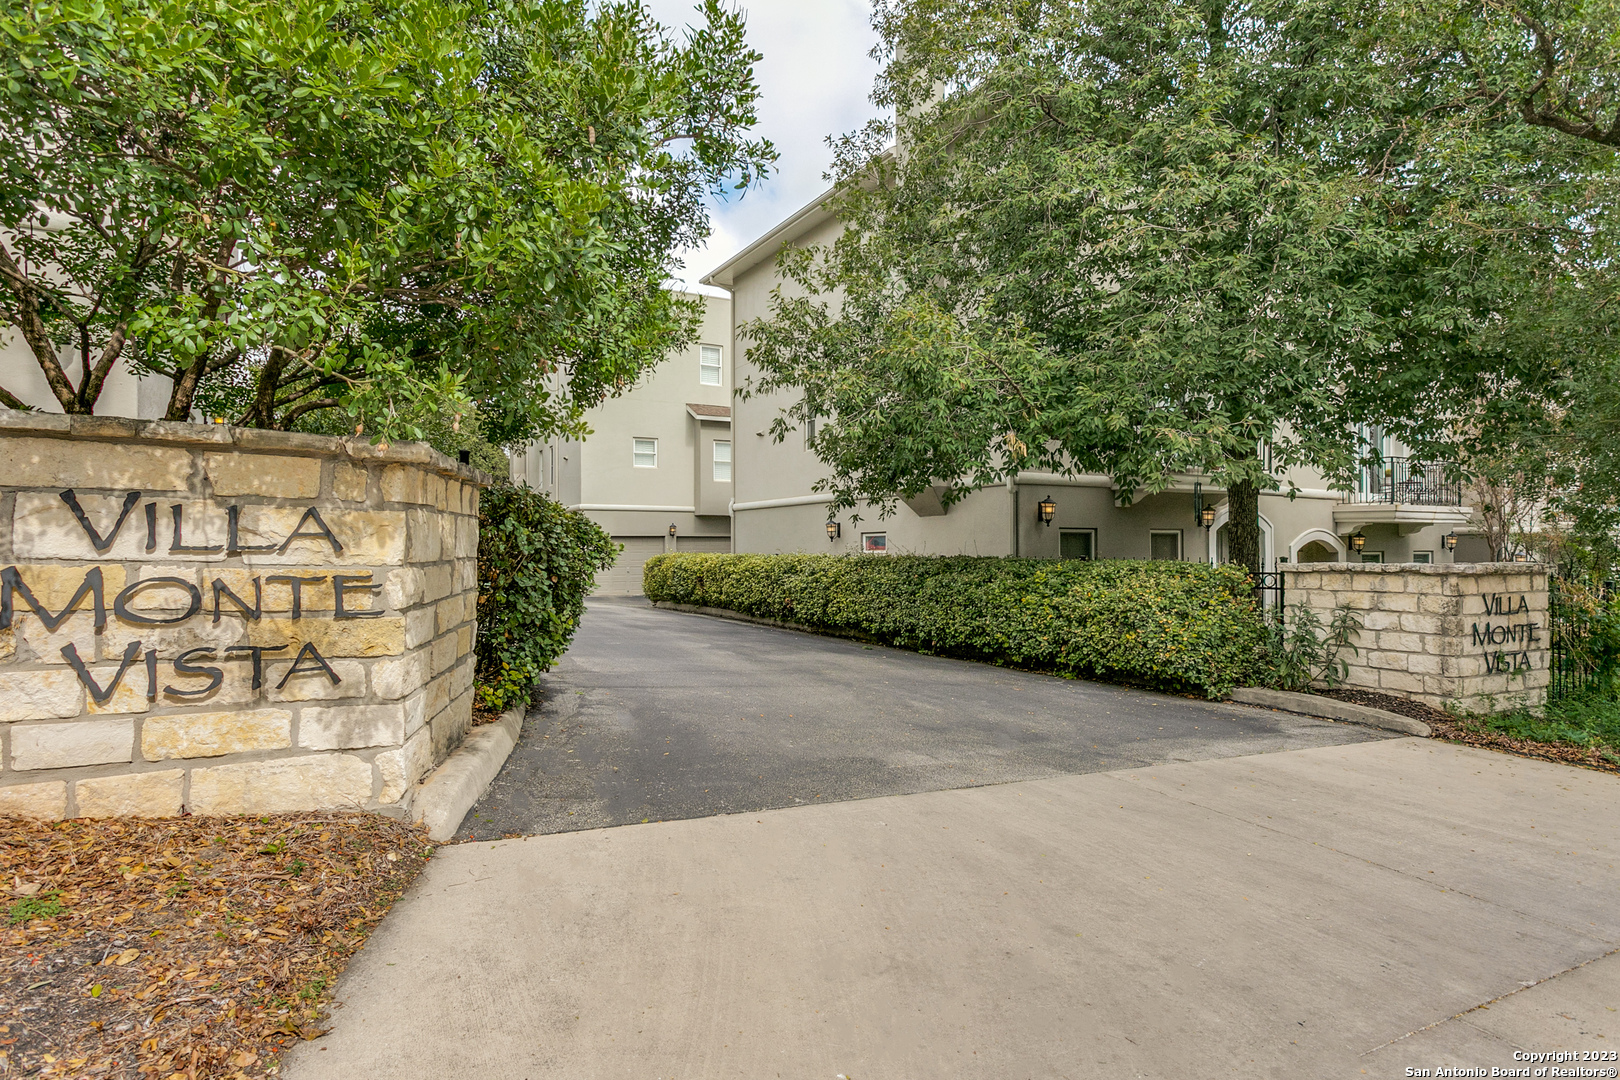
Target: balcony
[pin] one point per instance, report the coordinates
(1403, 492)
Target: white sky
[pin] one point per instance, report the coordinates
(814, 82)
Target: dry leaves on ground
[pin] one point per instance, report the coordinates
(194, 947)
(1456, 729)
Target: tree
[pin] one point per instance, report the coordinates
(390, 208)
(1145, 236)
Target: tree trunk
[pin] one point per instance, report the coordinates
(1243, 524)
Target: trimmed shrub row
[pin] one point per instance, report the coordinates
(1174, 625)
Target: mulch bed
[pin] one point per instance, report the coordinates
(185, 948)
(1460, 730)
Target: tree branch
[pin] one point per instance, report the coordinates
(34, 331)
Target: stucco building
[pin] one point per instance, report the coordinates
(656, 470)
(1402, 511)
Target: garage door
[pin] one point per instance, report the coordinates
(721, 544)
(623, 578)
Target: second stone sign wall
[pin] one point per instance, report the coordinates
(218, 620)
(1473, 636)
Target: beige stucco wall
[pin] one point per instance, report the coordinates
(1468, 635)
(354, 569)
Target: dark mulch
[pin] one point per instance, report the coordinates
(1460, 729)
(188, 948)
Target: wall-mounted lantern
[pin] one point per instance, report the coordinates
(834, 530)
(1357, 542)
(1047, 510)
(1206, 518)
(1450, 540)
(1521, 556)
(672, 528)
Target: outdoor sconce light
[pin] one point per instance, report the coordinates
(834, 530)
(1206, 518)
(1357, 542)
(672, 528)
(1047, 509)
(1520, 556)
(1450, 540)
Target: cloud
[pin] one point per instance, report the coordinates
(815, 79)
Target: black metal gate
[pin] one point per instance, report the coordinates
(1575, 667)
(1269, 588)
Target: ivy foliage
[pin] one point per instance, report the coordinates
(1174, 625)
(536, 562)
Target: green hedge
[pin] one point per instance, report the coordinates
(1176, 625)
(536, 562)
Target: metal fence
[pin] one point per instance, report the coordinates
(1403, 480)
(1269, 587)
(1576, 666)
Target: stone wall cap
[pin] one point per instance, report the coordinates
(1417, 568)
(57, 426)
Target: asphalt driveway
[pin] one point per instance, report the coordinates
(656, 715)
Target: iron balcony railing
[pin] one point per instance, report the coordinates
(1403, 480)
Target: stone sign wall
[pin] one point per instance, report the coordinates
(221, 620)
(1469, 635)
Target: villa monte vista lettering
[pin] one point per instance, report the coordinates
(1520, 633)
(169, 601)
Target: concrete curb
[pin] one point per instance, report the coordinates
(1330, 709)
(450, 790)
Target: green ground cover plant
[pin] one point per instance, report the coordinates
(1176, 626)
(1590, 720)
(536, 561)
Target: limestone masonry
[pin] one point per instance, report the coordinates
(221, 620)
(1471, 635)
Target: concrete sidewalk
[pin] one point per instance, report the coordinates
(1339, 911)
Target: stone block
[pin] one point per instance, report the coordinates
(62, 746)
(346, 637)
(1400, 681)
(438, 582)
(54, 586)
(466, 538)
(1424, 664)
(351, 727)
(445, 653)
(416, 713)
(438, 695)
(64, 463)
(45, 802)
(399, 769)
(1359, 675)
(1386, 661)
(1381, 620)
(170, 641)
(433, 491)
(418, 627)
(316, 685)
(1383, 583)
(464, 639)
(8, 645)
(1334, 582)
(40, 695)
(461, 677)
(36, 644)
(449, 728)
(424, 536)
(466, 575)
(348, 482)
(401, 484)
(272, 475)
(130, 695)
(1440, 605)
(399, 677)
(368, 537)
(1421, 624)
(148, 795)
(314, 782)
(1394, 641)
(1397, 602)
(450, 613)
(215, 734)
(403, 588)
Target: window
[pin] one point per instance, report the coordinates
(875, 543)
(722, 463)
(1078, 544)
(809, 432)
(1372, 556)
(1164, 545)
(645, 453)
(1423, 558)
(709, 365)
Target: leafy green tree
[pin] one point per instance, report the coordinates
(1145, 236)
(390, 208)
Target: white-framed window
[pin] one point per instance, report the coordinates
(875, 543)
(709, 365)
(1078, 544)
(1164, 545)
(644, 453)
(1372, 556)
(809, 432)
(722, 462)
(1423, 558)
